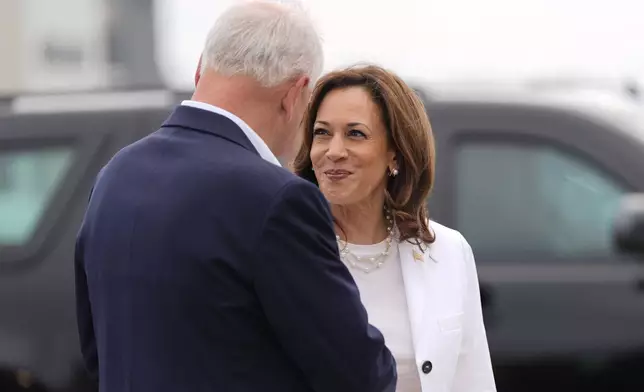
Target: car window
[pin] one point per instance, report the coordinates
(29, 179)
(517, 198)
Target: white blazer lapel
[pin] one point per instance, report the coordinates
(413, 264)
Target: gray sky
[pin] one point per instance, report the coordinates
(448, 39)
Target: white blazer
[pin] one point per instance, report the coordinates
(445, 314)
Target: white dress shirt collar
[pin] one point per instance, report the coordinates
(254, 138)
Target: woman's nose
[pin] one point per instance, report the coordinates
(337, 149)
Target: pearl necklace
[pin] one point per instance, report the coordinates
(367, 264)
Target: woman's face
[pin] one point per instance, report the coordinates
(350, 153)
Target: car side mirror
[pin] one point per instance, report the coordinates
(628, 229)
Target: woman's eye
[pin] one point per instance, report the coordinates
(356, 133)
(320, 131)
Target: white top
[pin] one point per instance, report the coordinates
(383, 294)
(254, 138)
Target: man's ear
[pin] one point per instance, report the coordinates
(293, 95)
(198, 72)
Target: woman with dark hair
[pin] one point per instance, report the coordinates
(368, 145)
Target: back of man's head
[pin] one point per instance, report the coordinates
(269, 41)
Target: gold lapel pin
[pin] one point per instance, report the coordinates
(417, 256)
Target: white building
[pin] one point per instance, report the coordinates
(68, 45)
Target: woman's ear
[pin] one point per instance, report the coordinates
(393, 161)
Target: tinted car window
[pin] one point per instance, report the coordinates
(28, 180)
(531, 198)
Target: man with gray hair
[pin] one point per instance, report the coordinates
(201, 263)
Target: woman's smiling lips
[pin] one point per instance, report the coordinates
(337, 174)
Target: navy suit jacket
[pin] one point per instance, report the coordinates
(202, 267)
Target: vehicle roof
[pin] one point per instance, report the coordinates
(617, 111)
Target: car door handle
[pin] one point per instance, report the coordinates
(487, 298)
(490, 316)
(639, 285)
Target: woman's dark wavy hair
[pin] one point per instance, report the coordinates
(408, 131)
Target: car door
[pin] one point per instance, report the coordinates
(48, 163)
(534, 192)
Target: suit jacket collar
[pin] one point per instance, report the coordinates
(191, 118)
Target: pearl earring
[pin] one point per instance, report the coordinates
(394, 172)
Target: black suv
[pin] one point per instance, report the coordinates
(539, 183)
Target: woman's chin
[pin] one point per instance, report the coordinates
(333, 196)
(339, 198)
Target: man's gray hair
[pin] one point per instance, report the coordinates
(269, 41)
